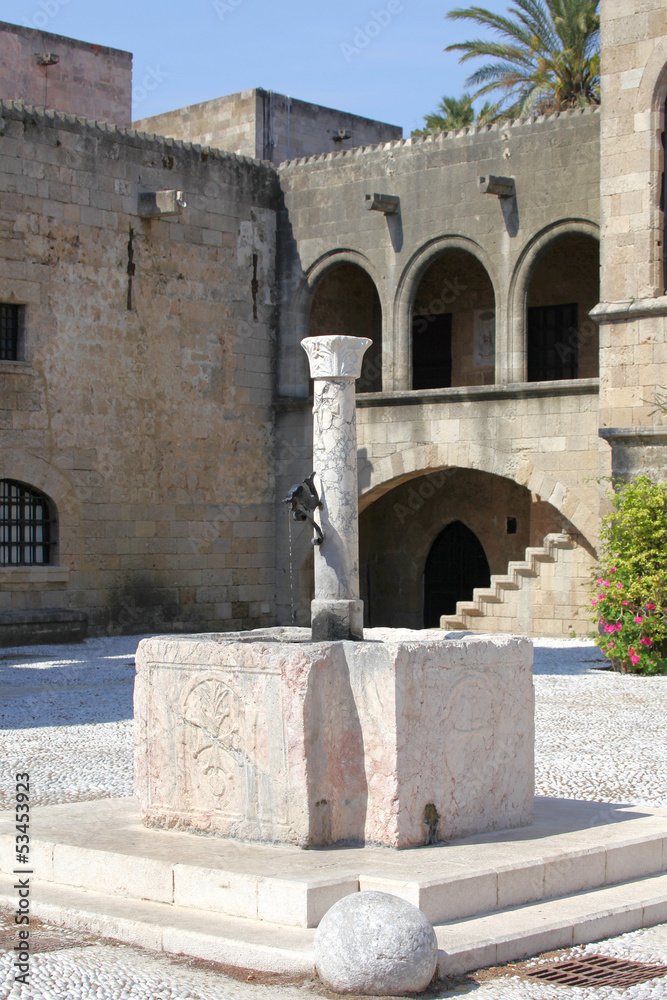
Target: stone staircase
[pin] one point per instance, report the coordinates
(483, 611)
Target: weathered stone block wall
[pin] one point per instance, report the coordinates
(143, 405)
(633, 303)
(89, 80)
(228, 123)
(268, 126)
(555, 163)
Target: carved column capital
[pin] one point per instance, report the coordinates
(335, 356)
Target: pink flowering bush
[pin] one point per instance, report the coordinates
(629, 602)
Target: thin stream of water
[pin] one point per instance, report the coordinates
(293, 609)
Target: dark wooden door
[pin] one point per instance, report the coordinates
(455, 565)
(553, 342)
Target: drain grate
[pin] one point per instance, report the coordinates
(598, 970)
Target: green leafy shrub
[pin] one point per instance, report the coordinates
(630, 596)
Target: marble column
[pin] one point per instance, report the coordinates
(335, 364)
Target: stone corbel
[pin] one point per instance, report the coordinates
(503, 187)
(388, 204)
(155, 204)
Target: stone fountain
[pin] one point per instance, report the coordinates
(339, 734)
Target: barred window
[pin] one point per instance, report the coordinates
(10, 329)
(26, 528)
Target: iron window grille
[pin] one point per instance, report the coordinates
(10, 325)
(26, 528)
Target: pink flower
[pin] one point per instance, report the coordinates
(601, 597)
(646, 641)
(610, 628)
(650, 607)
(611, 645)
(618, 626)
(599, 580)
(638, 619)
(620, 586)
(613, 569)
(633, 656)
(593, 602)
(605, 583)
(625, 602)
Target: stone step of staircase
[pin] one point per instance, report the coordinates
(517, 571)
(464, 945)
(570, 847)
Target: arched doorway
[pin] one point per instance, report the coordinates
(453, 324)
(346, 303)
(455, 565)
(561, 340)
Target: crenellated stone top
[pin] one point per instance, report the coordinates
(335, 356)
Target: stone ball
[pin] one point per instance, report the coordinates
(375, 943)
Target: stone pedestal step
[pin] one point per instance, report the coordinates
(521, 932)
(491, 939)
(570, 847)
(177, 930)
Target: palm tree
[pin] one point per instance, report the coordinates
(546, 59)
(454, 113)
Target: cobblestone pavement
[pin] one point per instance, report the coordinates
(66, 719)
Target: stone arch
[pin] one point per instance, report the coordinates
(40, 475)
(651, 109)
(390, 471)
(303, 298)
(408, 286)
(520, 283)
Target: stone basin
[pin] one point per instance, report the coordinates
(402, 739)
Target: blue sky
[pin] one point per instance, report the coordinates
(381, 59)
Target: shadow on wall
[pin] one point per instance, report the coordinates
(337, 787)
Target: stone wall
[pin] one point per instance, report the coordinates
(89, 80)
(142, 405)
(555, 163)
(269, 126)
(633, 304)
(449, 249)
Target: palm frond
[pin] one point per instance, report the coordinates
(544, 56)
